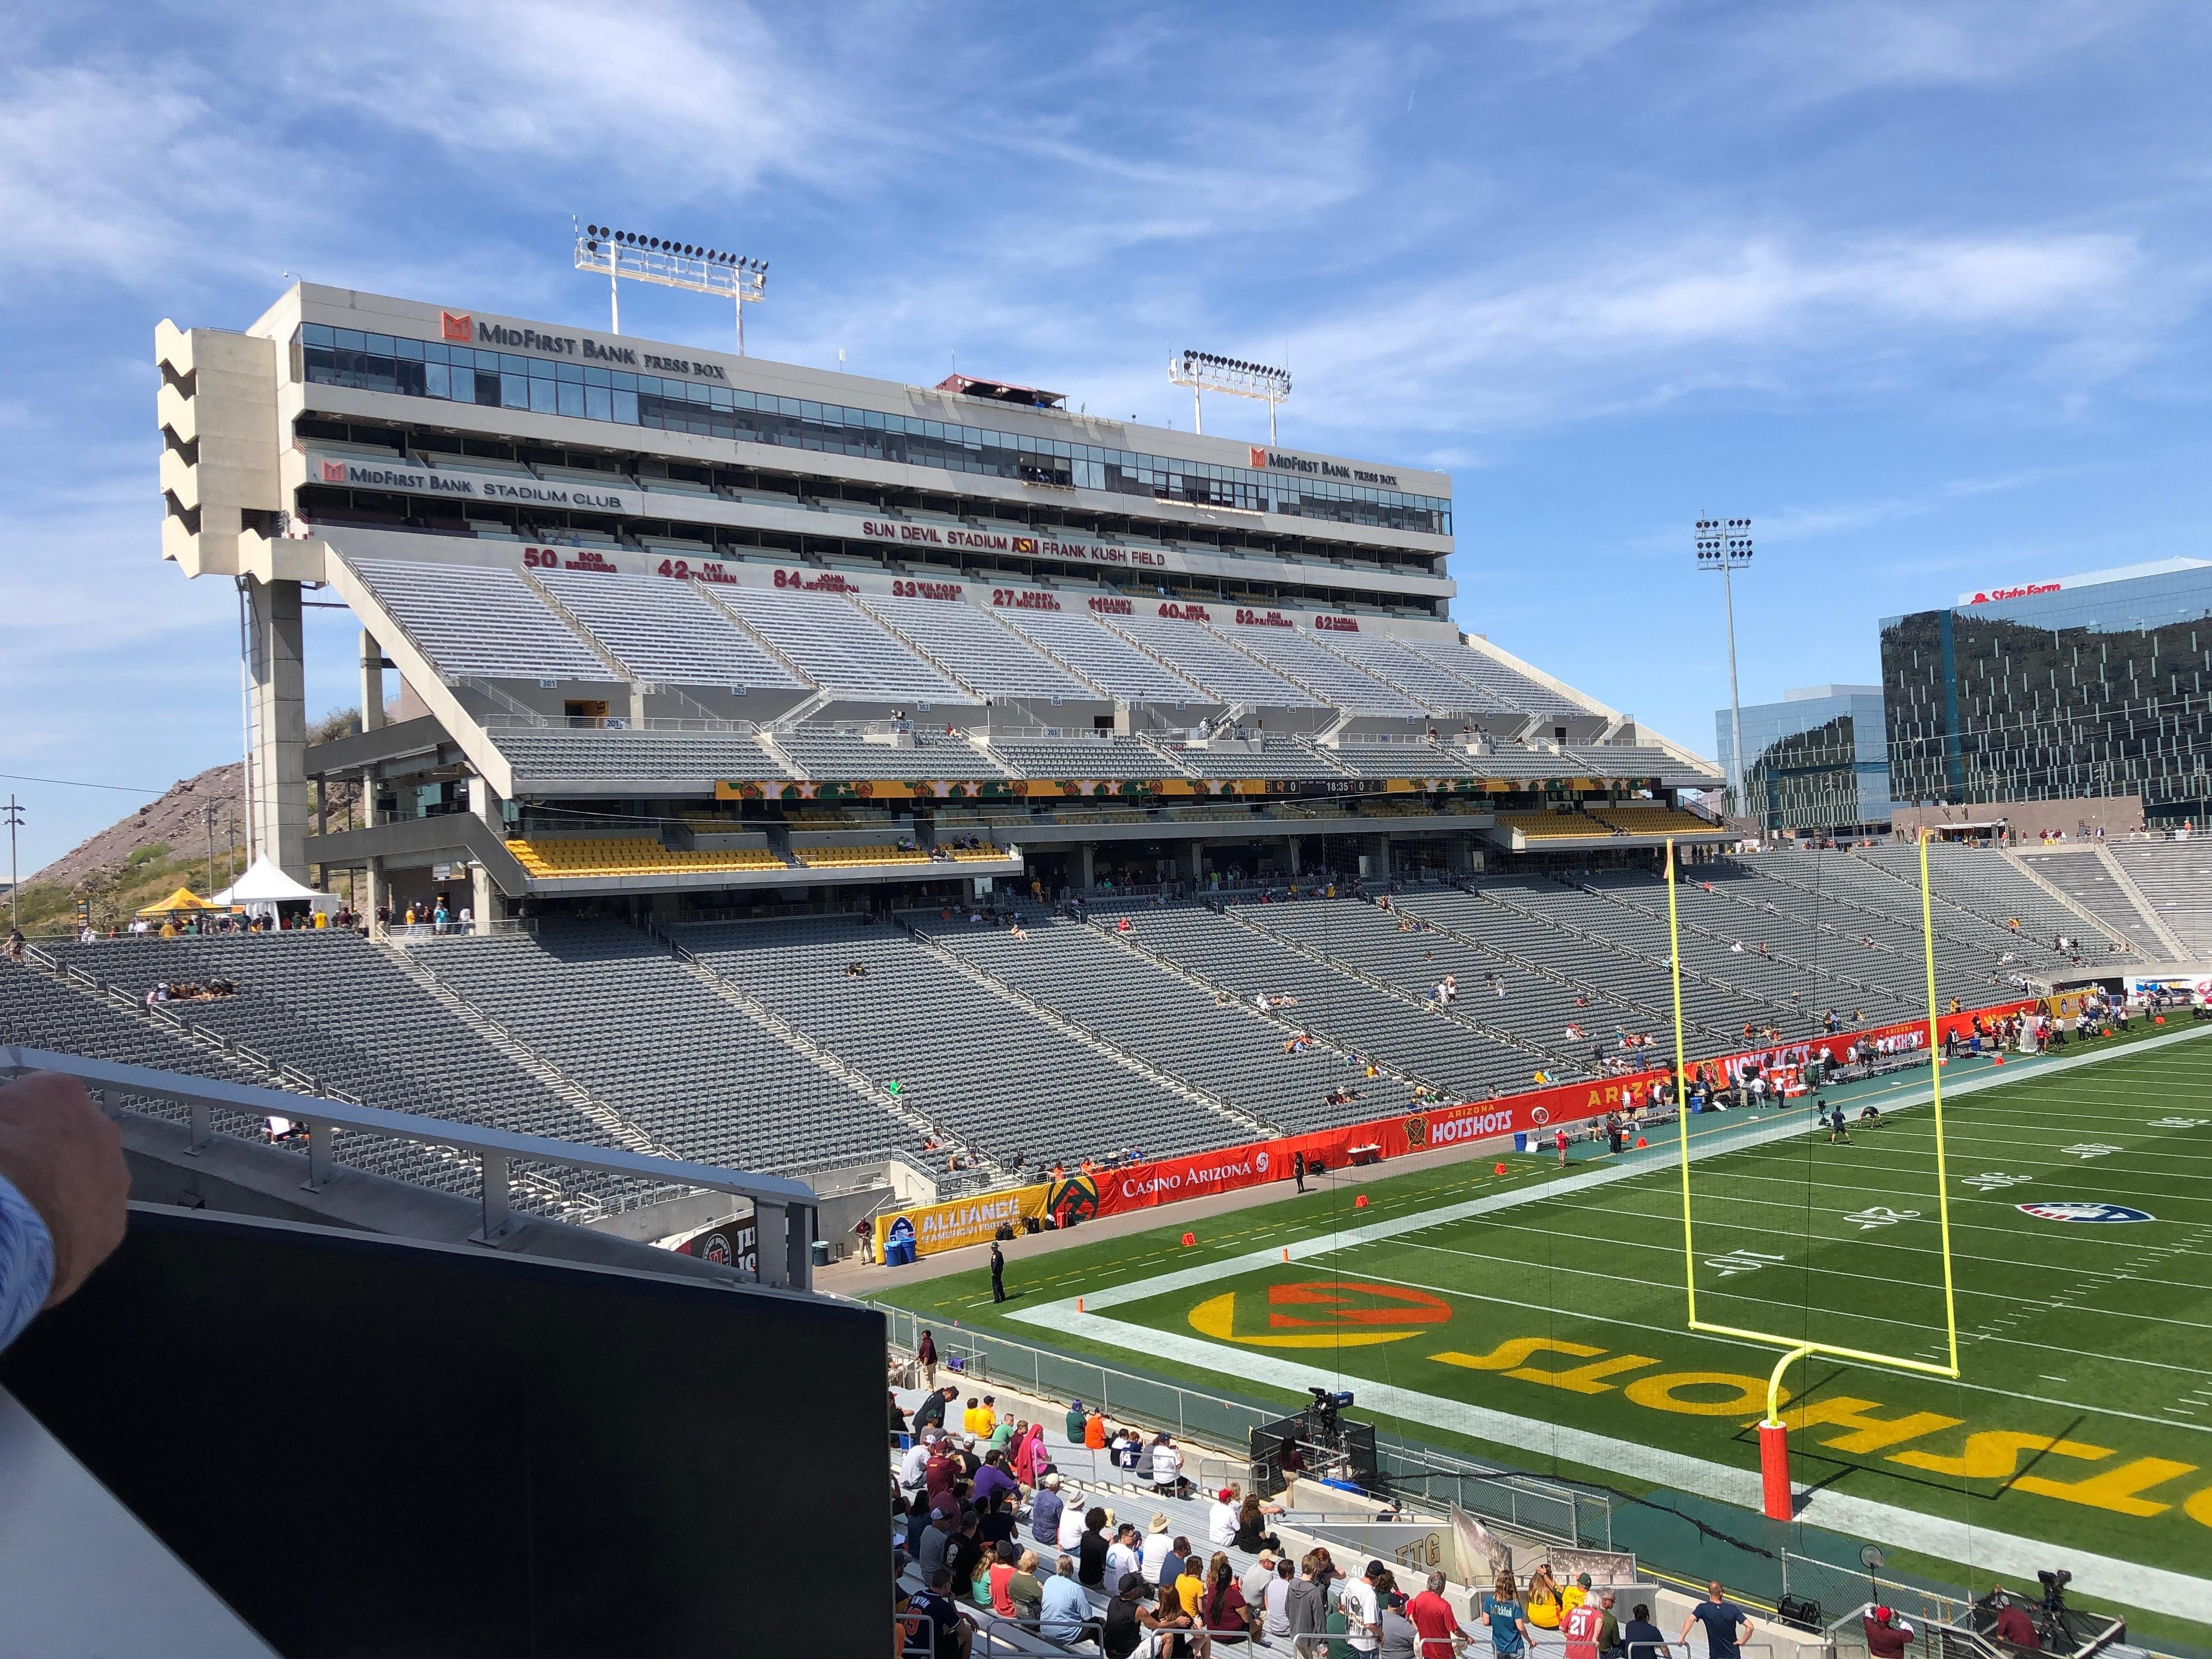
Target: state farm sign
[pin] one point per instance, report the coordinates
(1985, 596)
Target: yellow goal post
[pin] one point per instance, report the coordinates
(1796, 1347)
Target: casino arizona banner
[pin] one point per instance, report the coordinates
(1115, 1189)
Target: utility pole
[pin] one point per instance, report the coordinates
(15, 875)
(1723, 545)
(207, 818)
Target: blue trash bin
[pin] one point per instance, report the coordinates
(1520, 1141)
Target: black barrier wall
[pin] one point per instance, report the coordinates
(370, 1447)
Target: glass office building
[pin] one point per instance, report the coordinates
(1818, 760)
(2085, 686)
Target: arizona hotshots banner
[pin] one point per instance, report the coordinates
(1080, 1195)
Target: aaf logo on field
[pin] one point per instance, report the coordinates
(2082, 1210)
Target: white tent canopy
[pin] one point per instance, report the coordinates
(263, 886)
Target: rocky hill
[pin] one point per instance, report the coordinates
(172, 822)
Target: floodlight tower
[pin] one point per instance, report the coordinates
(1203, 371)
(670, 264)
(1724, 544)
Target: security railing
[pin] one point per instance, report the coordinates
(780, 1204)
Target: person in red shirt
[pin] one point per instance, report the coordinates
(1888, 1636)
(1441, 1637)
(1579, 1629)
(2014, 1625)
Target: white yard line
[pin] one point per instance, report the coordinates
(2154, 1589)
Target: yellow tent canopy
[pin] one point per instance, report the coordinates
(183, 899)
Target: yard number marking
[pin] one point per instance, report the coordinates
(1880, 1215)
(1742, 1261)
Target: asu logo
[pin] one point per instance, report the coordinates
(457, 327)
(1324, 1313)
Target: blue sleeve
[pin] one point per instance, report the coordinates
(26, 1261)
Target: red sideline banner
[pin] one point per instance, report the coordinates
(1111, 1191)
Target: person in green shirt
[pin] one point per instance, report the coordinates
(1076, 1419)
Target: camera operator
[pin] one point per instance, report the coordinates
(2013, 1625)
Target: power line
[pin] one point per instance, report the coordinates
(72, 783)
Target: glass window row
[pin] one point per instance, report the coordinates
(430, 368)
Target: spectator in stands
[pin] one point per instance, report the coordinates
(1171, 1567)
(1436, 1628)
(1727, 1625)
(63, 1190)
(1222, 1609)
(999, 1578)
(993, 1480)
(1030, 1457)
(1064, 1608)
(1640, 1637)
(1094, 1431)
(1091, 1551)
(1078, 1419)
(1361, 1604)
(1168, 1478)
(1221, 1517)
(916, 1461)
(1256, 1578)
(1071, 1519)
(1509, 1634)
(964, 1550)
(1251, 1526)
(937, 1541)
(1125, 1555)
(1045, 1512)
(935, 1628)
(995, 1520)
(930, 1414)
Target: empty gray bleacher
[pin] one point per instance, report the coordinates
(1971, 951)
(333, 1004)
(1346, 1010)
(664, 632)
(1991, 887)
(1397, 949)
(2081, 873)
(1232, 1052)
(1104, 757)
(1402, 760)
(1721, 1007)
(1398, 664)
(1200, 654)
(1298, 657)
(1105, 658)
(1508, 685)
(839, 647)
(614, 1011)
(828, 753)
(985, 657)
(469, 619)
(678, 761)
(1605, 975)
(1275, 757)
(990, 1070)
(2176, 877)
(40, 1011)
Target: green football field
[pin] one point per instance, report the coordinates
(1542, 1317)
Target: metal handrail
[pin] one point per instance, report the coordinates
(497, 1150)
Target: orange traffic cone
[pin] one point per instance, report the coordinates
(1189, 1239)
(1360, 1202)
(1500, 1169)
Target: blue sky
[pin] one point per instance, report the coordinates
(1919, 288)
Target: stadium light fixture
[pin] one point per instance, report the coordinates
(1724, 544)
(1206, 371)
(670, 263)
